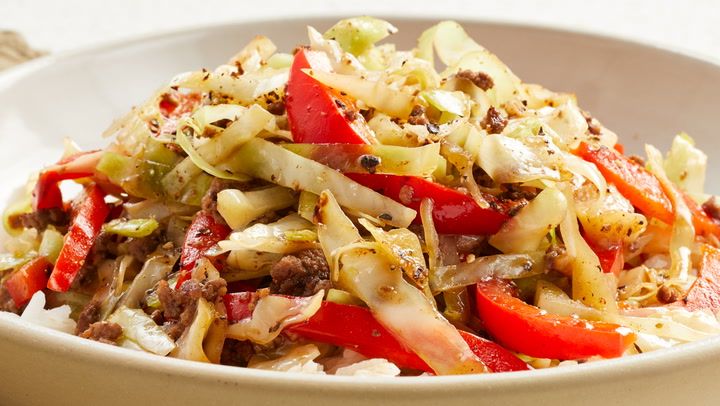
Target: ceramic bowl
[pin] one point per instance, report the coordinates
(644, 93)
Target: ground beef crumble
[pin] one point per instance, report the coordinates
(179, 305)
(41, 219)
(494, 122)
(89, 315)
(712, 208)
(301, 274)
(237, 353)
(668, 294)
(479, 79)
(417, 116)
(103, 331)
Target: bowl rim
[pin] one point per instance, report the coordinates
(22, 332)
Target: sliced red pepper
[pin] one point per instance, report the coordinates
(633, 181)
(84, 229)
(705, 291)
(704, 224)
(619, 148)
(643, 189)
(527, 329)
(354, 327)
(28, 279)
(317, 113)
(176, 104)
(204, 232)
(47, 191)
(453, 212)
(238, 305)
(612, 259)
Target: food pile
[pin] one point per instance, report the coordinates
(356, 209)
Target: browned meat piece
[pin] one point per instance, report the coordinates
(712, 208)
(106, 245)
(179, 305)
(467, 244)
(479, 79)
(302, 274)
(89, 315)
(494, 122)
(140, 248)
(176, 328)
(668, 294)
(557, 259)
(236, 353)
(214, 290)
(277, 108)
(175, 301)
(417, 116)
(103, 331)
(41, 219)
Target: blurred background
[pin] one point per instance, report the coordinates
(54, 26)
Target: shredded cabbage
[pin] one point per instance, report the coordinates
(358, 35)
(685, 165)
(272, 314)
(190, 344)
(683, 231)
(377, 94)
(510, 266)
(240, 208)
(271, 237)
(529, 228)
(139, 328)
(275, 164)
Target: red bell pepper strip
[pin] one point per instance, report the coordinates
(238, 305)
(47, 191)
(354, 327)
(317, 113)
(611, 259)
(642, 188)
(705, 291)
(175, 104)
(84, 229)
(205, 231)
(453, 212)
(28, 279)
(704, 224)
(610, 255)
(633, 181)
(527, 329)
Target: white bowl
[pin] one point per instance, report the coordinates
(643, 93)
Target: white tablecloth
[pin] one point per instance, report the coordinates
(52, 25)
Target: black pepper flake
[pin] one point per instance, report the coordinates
(370, 162)
(385, 216)
(277, 108)
(432, 128)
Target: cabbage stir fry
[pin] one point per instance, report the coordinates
(354, 209)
